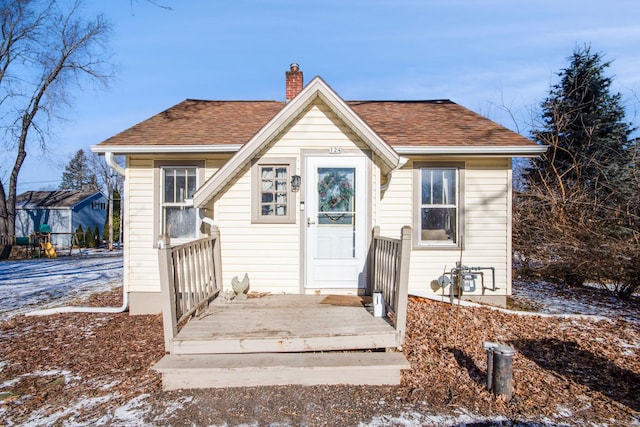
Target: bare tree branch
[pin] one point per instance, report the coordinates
(44, 50)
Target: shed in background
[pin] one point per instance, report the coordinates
(62, 210)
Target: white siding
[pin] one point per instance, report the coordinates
(141, 222)
(272, 253)
(486, 228)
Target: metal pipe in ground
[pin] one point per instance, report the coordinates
(499, 368)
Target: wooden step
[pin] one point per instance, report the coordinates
(263, 369)
(273, 342)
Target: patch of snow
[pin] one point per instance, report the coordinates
(416, 419)
(45, 417)
(463, 303)
(173, 406)
(548, 298)
(563, 412)
(68, 378)
(9, 383)
(107, 386)
(27, 285)
(130, 414)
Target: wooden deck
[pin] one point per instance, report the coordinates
(278, 339)
(284, 339)
(286, 323)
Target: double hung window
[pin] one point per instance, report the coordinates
(439, 206)
(179, 217)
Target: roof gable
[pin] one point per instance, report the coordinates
(317, 88)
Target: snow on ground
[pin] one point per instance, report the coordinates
(32, 284)
(550, 298)
(27, 285)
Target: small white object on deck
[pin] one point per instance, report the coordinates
(378, 305)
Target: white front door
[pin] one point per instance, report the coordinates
(336, 215)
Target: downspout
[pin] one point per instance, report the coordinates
(72, 309)
(111, 162)
(401, 162)
(108, 156)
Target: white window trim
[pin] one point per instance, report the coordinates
(418, 243)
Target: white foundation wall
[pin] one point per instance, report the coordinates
(486, 228)
(272, 254)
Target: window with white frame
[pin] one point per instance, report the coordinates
(438, 216)
(179, 217)
(272, 196)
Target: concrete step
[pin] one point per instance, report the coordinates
(262, 369)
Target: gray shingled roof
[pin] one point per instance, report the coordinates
(52, 199)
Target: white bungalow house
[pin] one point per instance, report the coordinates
(297, 187)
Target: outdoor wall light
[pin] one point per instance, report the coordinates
(295, 182)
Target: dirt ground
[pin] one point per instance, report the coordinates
(85, 368)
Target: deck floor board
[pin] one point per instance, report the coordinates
(285, 323)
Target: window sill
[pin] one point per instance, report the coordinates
(273, 221)
(437, 246)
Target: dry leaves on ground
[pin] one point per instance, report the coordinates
(567, 370)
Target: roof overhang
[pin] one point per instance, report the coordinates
(163, 149)
(316, 89)
(498, 151)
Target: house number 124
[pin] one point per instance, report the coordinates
(335, 150)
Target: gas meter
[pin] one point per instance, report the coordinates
(467, 281)
(463, 279)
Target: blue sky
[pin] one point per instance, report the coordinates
(486, 55)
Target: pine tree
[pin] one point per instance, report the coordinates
(576, 213)
(583, 124)
(78, 174)
(96, 237)
(89, 239)
(80, 235)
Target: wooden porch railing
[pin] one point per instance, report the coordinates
(390, 274)
(190, 277)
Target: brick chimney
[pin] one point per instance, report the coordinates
(294, 82)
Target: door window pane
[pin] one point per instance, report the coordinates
(336, 189)
(336, 230)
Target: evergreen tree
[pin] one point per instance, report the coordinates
(78, 174)
(89, 239)
(576, 212)
(583, 124)
(116, 219)
(80, 235)
(96, 237)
